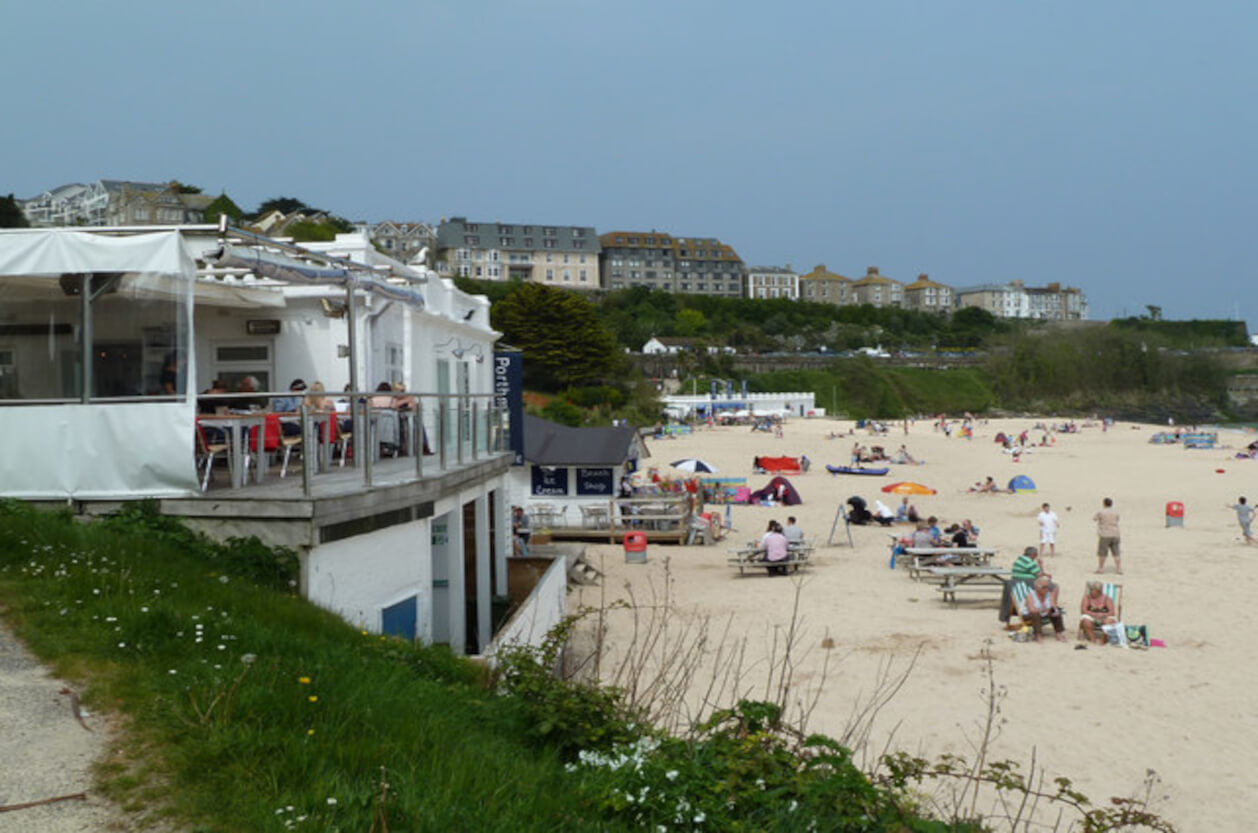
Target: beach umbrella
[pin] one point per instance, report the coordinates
(907, 487)
(694, 464)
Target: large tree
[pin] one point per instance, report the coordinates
(11, 215)
(563, 341)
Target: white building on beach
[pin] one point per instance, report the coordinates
(106, 336)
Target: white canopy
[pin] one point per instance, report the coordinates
(98, 451)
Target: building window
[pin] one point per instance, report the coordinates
(567, 275)
(582, 259)
(565, 258)
(582, 276)
(550, 258)
(578, 232)
(548, 243)
(550, 274)
(471, 227)
(548, 231)
(505, 230)
(528, 242)
(504, 241)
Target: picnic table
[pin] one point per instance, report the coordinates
(751, 556)
(969, 578)
(922, 557)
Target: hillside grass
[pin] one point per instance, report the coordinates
(249, 709)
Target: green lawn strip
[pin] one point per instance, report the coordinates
(243, 701)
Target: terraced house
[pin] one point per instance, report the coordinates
(694, 265)
(824, 287)
(878, 290)
(928, 296)
(563, 256)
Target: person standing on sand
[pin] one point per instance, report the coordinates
(1245, 517)
(1048, 529)
(1107, 537)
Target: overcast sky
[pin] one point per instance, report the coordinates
(1110, 146)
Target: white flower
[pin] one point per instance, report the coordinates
(700, 818)
(122, 644)
(173, 671)
(222, 579)
(248, 659)
(144, 610)
(672, 774)
(331, 801)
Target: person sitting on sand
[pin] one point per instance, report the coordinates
(1096, 610)
(883, 513)
(988, 486)
(902, 511)
(1038, 606)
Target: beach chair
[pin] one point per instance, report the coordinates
(1115, 592)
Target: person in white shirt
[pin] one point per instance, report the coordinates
(1048, 530)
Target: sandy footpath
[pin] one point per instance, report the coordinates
(44, 750)
(1102, 716)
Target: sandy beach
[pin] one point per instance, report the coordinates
(1105, 717)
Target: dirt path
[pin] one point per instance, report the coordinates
(45, 751)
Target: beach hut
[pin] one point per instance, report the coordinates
(1022, 483)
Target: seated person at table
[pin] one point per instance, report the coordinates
(287, 405)
(971, 531)
(776, 548)
(207, 403)
(794, 535)
(957, 536)
(318, 400)
(1095, 610)
(249, 384)
(933, 524)
(1038, 606)
(383, 397)
(922, 539)
(402, 402)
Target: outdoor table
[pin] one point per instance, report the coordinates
(956, 578)
(237, 427)
(923, 557)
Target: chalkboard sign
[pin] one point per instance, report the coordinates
(594, 482)
(550, 482)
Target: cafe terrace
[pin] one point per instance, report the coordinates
(107, 335)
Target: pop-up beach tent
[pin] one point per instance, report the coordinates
(778, 489)
(1022, 483)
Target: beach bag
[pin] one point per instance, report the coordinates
(1137, 636)
(1116, 634)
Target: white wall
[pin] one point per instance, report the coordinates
(544, 608)
(358, 577)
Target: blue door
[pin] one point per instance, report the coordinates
(399, 619)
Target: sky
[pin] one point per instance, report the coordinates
(1109, 146)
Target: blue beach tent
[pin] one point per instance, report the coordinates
(1022, 483)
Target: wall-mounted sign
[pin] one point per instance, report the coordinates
(509, 395)
(550, 482)
(594, 482)
(262, 326)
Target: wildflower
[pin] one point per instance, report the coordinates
(222, 579)
(222, 647)
(672, 774)
(122, 644)
(313, 698)
(111, 618)
(700, 818)
(144, 610)
(331, 801)
(248, 659)
(309, 732)
(304, 680)
(173, 671)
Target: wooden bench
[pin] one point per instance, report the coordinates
(753, 558)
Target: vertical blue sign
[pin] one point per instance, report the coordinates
(509, 395)
(744, 388)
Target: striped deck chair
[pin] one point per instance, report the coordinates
(1115, 592)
